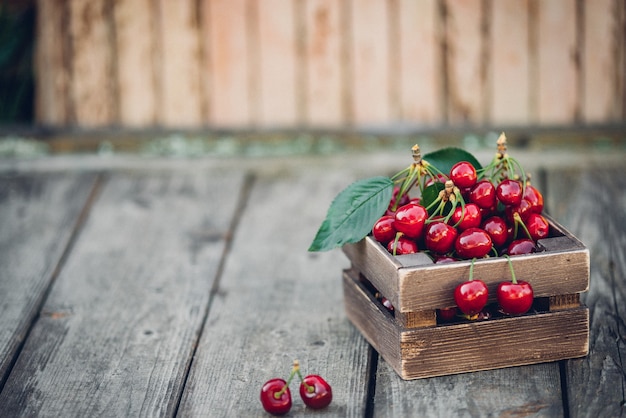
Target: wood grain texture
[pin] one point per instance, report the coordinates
(135, 55)
(596, 215)
(509, 102)
(465, 70)
(116, 334)
(459, 348)
(277, 303)
(557, 88)
(324, 83)
(182, 95)
(230, 63)
(51, 69)
(603, 66)
(38, 214)
(278, 62)
(93, 82)
(370, 62)
(419, 72)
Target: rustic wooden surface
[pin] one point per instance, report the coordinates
(133, 287)
(320, 63)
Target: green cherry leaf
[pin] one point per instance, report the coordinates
(352, 214)
(445, 158)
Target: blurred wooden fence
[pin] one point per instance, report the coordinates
(329, 63)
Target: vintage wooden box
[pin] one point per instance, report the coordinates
(417, 343)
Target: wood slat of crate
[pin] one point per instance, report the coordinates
(469, 346)
(413, 283)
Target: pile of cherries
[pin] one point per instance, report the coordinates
(315, 392)
(491, 212)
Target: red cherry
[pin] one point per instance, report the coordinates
(509, 192)
(497, 229)
(515, 298)
(271, 403)
(440, 237)
(524, 209)
(471, 217)
(383, 230)
(473, 243)
(483, 194)
(521, 246)
(395, 203)
(535, 198)
(402, 245)
(538, 226)
(471, 296)
(447, 314)
(444, 259)
(463, 174)
(315, 392)
(410, 220)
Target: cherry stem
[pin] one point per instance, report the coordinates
(308, 388)
(513, 279)
(518, 222)
(471, 272)
(294, 370)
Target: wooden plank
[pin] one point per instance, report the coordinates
(277, 303)
(557, 89)
(603, 71)
(93, 84)
(509, 65)
(135, 46)
(370, 64)
(51, 71)
(119, 327)
(277, 67)
(182, 95)
(38, 215)
(465, 63)
(324, 83)
(230, 63)
(419, 72)
(589, 203)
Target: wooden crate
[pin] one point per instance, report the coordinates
(417, 343)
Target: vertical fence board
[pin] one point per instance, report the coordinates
(420, 73)
(134, 58)
(323, 62)
(510, 62)
(465, 78)
(557, 88)
(602, 65)
(370, 62)
(51, 72)
(277, 66)
(230, 105)
(93, 83)
(182, 95)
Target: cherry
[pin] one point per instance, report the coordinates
(447, 314)
(524, 209)
(463, 174)
(538, 227)
(440, 237)
(394, 204)
(535, 198)
(384, 230)
(276, 397)
(410, 218)
(509, 192)
(521, 246)
(466, 217)
(516, 296)
(402, 245)
(471, 296)
(483, 194)
(473, 243)
(315, 392)
(497, 229)
(444, 259)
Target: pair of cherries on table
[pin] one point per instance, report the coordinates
(315, 392)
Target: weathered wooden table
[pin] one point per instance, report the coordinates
(146, 287)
